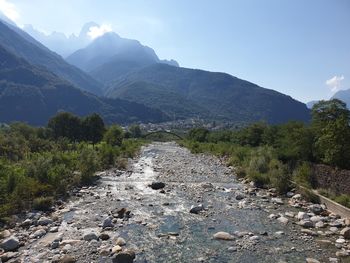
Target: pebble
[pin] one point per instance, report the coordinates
(223, 236)
(10, 244)
(90, 236)
(126, 256)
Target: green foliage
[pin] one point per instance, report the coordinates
(303, 175)
(135, 131)
(66, 125)
(93, 128)
(330, 121)
(114, 135)
(198, 134)
(36, 167)
(43, 203)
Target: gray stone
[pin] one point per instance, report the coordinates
(316, 209)
(345, 232)
(120, 241)
(108, 222)
(276, 200)
(126, 256)
(283, 220)
(90, 236)
(223, 236)
(196, 209)
(39, 233)
(306, 223)
(44, 221)
(10, 244)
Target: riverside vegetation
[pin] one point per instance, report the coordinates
(276, 155)
(41, 165)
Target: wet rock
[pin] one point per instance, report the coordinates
(240, 196)
(38, 234)
(90, 236)
(345, 232)
(336, 223)
(317, 209)
(196, 209)
(120, 241)
(157, 185)
(223, 236)
(55, 244)
(10, 244)
(306, 223)
(44, 221)
(104, 236)
(108, 222)
(122, 213)
(126, 256)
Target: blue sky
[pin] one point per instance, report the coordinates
(298, 47)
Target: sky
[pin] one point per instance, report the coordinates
(300, 48)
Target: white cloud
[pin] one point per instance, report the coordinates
(335, 83)
(9, 9)
(97, 31)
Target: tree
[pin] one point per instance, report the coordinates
(65, 124)
(135, 131)
(330, 121)
(93, 128)
(198, 134)
(114, 135)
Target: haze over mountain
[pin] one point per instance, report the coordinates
(186, 93)
(111, 56)
(59, 42)
(32, 94)
(343, 95)
(23, 45)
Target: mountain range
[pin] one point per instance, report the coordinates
(33, 94)
(343, 95)
(126, 81)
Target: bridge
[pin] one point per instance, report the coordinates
(163, 132)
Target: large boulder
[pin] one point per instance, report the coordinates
(10, 244)
(90, 236)
(44, 221)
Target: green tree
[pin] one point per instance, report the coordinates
(114, 135)
(135, 131)
(65, 124)
(198, 134)
(93, 128)
(330, 121)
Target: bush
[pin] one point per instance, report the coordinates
(43, 203)
(303, 175)
(343, 200)
(87, 165)
(309, 195)
(279, 177)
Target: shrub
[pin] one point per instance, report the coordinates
(87, 165)
(303, 175)
(279, 177)
(343, 200)
(43, 203)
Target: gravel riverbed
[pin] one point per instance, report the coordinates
(174, 206)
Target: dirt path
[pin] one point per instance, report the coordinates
(157, 225)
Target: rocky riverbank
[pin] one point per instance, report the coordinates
(173, 206)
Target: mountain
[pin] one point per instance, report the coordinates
(59, 42)
(111, 56)
(186, 93)
(343, 95)
(32, 94)
(23, 45)
(310, 104)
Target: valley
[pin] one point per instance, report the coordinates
(122, 217)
